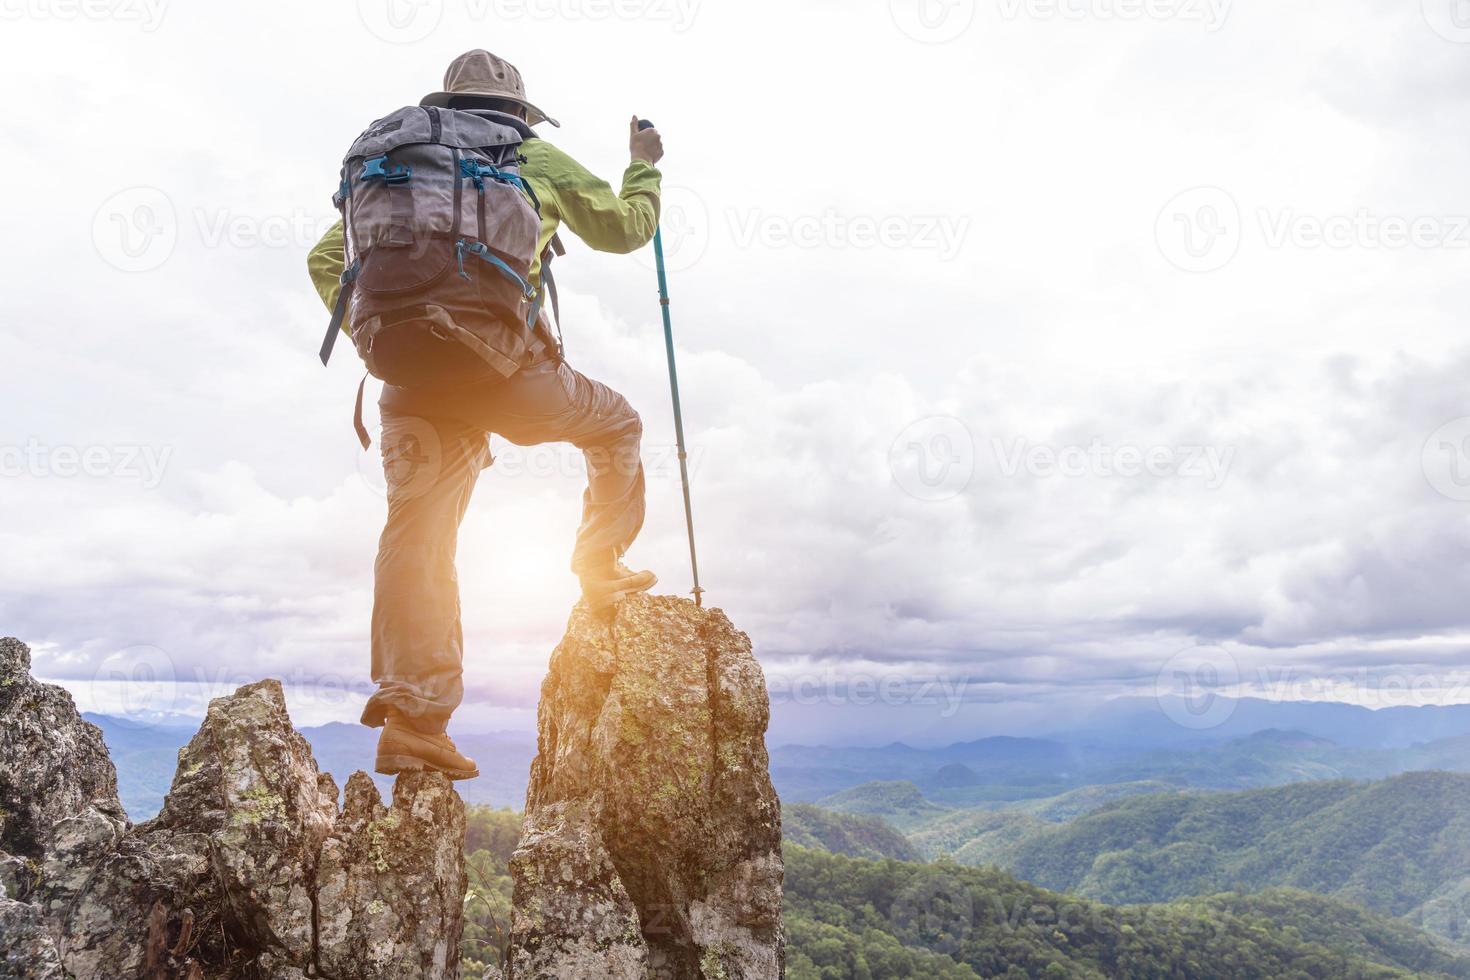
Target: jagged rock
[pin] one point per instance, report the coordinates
(392, 880)
(652, 832)
(235, 844)
(572, 916)
(28, 951)
(59, 810)
(111, 928)
(248, 780)
(226, 881)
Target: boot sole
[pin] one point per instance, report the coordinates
(392, 765)
(608, 599)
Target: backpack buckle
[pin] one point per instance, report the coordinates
(377, 167)
(477, 172)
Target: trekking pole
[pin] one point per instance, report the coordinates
(663, 299)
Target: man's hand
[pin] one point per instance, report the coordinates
(645, 144)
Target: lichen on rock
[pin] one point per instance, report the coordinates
(230, 880)
(59, 809)
(391, 882)
(651, 845)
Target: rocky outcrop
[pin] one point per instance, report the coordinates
(59, 812)
(249, 871)
(651, 845)
(391, 882)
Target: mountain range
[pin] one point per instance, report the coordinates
(1336, 848)
(1007, 769)
(1125, 741)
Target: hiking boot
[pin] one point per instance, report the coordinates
(607, 585)
(405, 749)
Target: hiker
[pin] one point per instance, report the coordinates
(473, 356)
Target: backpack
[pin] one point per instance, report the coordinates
(439, 234)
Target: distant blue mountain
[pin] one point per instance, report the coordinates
(1258, 743)
(1006, 770)
(1142, 721)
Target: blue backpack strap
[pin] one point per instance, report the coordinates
(462, 247)
(548, 285)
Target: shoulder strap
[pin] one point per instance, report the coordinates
(548, 285)
(339, 313)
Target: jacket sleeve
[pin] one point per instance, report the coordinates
(608, 221)
(324, 263)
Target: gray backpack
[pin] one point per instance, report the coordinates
(440, 232)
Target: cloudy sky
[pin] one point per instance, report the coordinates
(1034, 351)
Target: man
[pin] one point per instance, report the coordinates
(435, 441)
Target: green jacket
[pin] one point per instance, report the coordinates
(608, 222)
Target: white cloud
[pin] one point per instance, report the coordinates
(1314, 374)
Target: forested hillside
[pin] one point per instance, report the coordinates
(841, 833)
(852, 918)
(1399, 846)
(862, 919)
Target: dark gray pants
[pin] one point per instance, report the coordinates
(434, 446)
